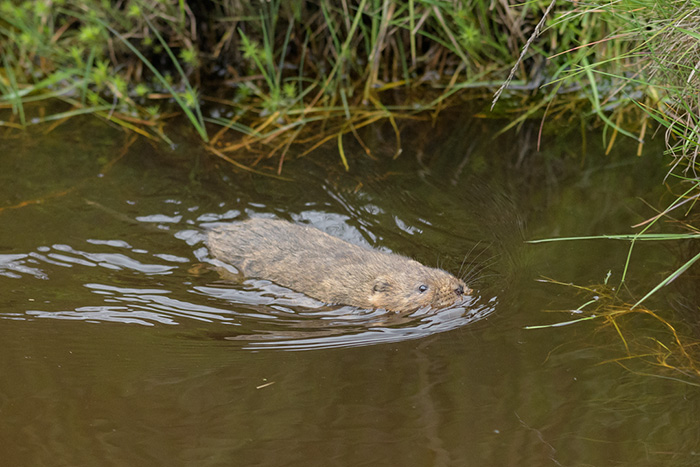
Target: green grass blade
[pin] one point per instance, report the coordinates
(88, 67)
(198, 122)
(563, 323)
(669, 279)
(627, 237)
(14, 96)
(596, 101)
(71, 113)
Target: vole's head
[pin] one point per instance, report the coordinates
(403, 291)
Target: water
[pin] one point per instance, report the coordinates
(123, 345)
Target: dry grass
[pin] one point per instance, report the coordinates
(651, 344)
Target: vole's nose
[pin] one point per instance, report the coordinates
(462, 290)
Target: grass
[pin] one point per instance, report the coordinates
(288, 68)
(653, 345)
(689, 196)
(680, 355)
(656, 51)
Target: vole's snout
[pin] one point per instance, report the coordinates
(462, 290)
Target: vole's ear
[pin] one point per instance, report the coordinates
(381, 284)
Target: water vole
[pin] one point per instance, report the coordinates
(330, 269)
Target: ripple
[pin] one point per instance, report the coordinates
(389, 328)
(273, 318)
(17, 265)
(138, 306)
(160, 219)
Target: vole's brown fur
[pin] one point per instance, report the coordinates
(330, 269)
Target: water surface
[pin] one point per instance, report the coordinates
(124, 345)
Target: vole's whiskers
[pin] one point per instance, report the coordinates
(471, 250)
(475, 272)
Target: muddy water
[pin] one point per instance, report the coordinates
(122, 345)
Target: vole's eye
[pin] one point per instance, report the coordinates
(422, 288)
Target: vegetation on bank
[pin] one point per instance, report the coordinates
(269, 74)
(275, 75)
(269, 71)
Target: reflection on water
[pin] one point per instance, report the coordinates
(15, 266)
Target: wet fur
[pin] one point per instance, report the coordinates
(330, 269)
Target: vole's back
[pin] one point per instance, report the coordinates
(319, 265)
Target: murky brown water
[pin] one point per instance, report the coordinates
(121, 346)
